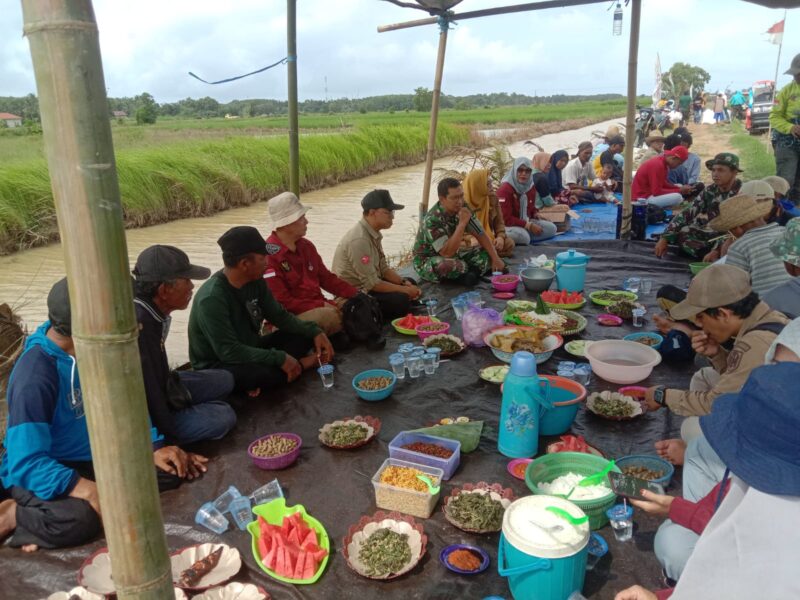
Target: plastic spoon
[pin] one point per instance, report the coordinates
(433, 489)
(593, 479)
(560, 512)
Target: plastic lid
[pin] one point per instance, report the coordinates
(527, 526)
(523, 364)
(620, 511)
(325, 370)
(571, 255)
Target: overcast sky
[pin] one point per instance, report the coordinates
(150, 45)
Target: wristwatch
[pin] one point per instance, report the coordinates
(660, 395)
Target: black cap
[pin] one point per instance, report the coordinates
(241, 240)
(380, 199)
(164, 263)
(617, 139)
(58, 308)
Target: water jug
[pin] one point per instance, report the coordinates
(525, 398)
(571, 270)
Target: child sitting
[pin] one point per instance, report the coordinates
(608, 183)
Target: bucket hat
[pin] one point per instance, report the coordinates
(758, 189)
(778, 184)
(787, 247)
(612, 131)
(284, 209)
(726, 159)
(714, 286)
(788, 337)
(794, 69)
(754, 432)
(654, 138)
(739, 210)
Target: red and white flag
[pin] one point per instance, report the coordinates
(775, 33)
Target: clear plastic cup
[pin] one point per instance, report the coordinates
(621, 518)
(437, 355)
(398, 363)
(431, 304)
(647, 285)
(474, 299)
(211, 518)
(405, 347)
(418, 351)
(566, 365)
(632, 284)
(566, 374)
(266, 493)
(582, 373)
(638, 314)
(459, 306)
(326, 374)
(429, 363)
(414, 365)
(223, 501)
(240, 511)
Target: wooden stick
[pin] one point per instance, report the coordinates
(80, 155)
(630, 122)
(291, 71)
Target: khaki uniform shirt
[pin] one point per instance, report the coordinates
(747, 354)
(359, 257)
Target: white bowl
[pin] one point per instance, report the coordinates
(622, 361)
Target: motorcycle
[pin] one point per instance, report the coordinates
(649, 120)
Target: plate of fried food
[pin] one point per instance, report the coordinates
(504, 341)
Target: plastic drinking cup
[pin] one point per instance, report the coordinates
(638, 313)
(647, 285)
(223, 501)
(266, 493)
(437, 355)
(583, 373)
(474, 299)
(632, 284)
(240, 511)
(459, 306)
(429, 363)
(414, 364)
(211, 518)
(566, 365)
(566, 374)
(621, 518)
(431, 304)
(326, 374)
(398, 363)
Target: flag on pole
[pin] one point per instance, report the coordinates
(657, 90)
(775, 33)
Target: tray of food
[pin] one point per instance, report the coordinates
(608, 297)
(615, 406)
(506, 340)
(478, 508)
(384, 546)
(563, 322)
(408, 325)
(397, 487)
(563, 299)
(350, 432)
(494, 373)
(450, 345)
(202, 566)
(424, 449)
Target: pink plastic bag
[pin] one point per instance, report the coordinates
(476, 322)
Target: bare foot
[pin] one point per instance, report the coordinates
(8, 518)
(671, 450)
(28, 548)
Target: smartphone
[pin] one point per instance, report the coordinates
(631, 487)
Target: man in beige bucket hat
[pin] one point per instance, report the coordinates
(744, 218)
(786, 297)
(722, 303)
(296, 274)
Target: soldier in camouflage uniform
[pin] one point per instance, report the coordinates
(438, 252)
(689, 228)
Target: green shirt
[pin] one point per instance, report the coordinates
(786, 111)
(225, 324)
(693, 220)
(437, 227)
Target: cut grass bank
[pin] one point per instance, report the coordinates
(754, 155)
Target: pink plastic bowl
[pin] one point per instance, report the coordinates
(499, 283)
(622, 361)
(274, 463)
(425, 330)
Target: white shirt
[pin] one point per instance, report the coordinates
(577, 173)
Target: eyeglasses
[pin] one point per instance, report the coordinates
(524, 170)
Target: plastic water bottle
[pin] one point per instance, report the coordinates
(523, 399)
(618, 19)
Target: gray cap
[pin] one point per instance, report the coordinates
(164, 263)
(794, 69)
(379, 199)
(58, 310)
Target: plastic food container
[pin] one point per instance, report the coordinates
(282, 461)
(567, 396)
(404, 500)
(425, 330)
(648, 461)
(447, 465)
(505, 283)
(621, 361)
(655, 337)
(375, 395)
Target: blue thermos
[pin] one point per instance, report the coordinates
(525, 397)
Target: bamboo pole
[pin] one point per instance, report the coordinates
(77, 137)
(630, 121)
(437, 92)
(294, 135)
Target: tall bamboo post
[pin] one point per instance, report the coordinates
(630, 121)
(77, 137)
(444, 25)
(291, 58)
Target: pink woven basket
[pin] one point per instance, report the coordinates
(273, 463)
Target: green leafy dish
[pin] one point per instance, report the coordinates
(608, 297)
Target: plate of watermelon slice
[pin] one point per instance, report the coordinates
(289, 544)
(573, 443)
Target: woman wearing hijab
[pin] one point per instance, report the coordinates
(481, 200)
(541, 181)
(562, 195)
(517, 200)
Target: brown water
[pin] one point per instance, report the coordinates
(26, 277)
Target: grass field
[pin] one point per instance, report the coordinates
(178, 169)
(754, 152)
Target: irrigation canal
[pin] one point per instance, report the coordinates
(26, 277)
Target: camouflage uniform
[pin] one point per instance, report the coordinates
(689, 228)
(435, 230)
(787, 247)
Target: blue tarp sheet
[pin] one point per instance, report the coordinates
(599, 212)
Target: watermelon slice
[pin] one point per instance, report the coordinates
(310, 566)
(310, 538)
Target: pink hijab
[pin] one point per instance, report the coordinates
(541, 160)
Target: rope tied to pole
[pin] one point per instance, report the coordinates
(280, 62)
(445, 21)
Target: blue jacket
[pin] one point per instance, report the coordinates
(46, 422)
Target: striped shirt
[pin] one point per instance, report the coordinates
(751, 252)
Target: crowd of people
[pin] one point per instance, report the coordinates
(276, 310)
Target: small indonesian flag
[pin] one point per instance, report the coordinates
(269, 273)
(775, 33)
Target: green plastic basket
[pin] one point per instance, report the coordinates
(696, 267)
(550, 466)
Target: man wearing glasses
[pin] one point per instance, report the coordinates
(360, 261)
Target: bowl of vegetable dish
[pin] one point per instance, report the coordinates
(426, 330)
(647, 467)
(505, 283)
(375, 384)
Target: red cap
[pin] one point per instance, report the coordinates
(679, 151)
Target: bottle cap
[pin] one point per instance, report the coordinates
(523, 364)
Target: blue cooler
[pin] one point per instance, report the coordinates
(541, 563)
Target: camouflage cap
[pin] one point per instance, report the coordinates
(787, 247)
(726, 159)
